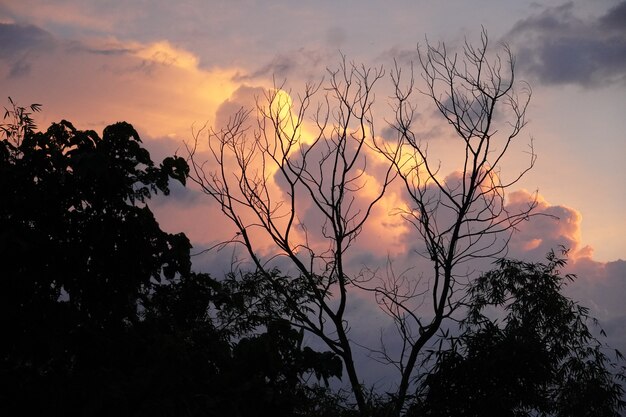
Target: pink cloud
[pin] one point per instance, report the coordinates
(551, 227)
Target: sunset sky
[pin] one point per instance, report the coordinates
(168, 66)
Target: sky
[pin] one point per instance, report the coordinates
(169, 68)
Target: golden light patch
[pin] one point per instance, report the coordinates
(281, 106)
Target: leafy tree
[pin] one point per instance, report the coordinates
(262, 373)
(79, 249)
(538, 358)
(101, 314)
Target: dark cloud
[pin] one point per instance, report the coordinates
(615, 18)
(105, 50)
(20, 67)
(19, 39)
(301, 63)
(557, 47)
(243, 99)
(20, 43)
(23, 44)
(390, 131)
(601, 287)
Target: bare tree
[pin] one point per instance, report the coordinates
(326, 170)
(462, 218)
(458, 221)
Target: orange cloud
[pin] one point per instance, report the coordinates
(157, 87)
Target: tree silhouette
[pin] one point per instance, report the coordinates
(463, 217)
(327, 172)
(525, 349)
(101, 314)
(459, 219)
(80, 249)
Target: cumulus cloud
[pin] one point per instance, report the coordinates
(309, 224)
(388, 244)
(244, 98)
(599, 286)
(387, 238)
(551, 227)
(386, 235)
(558, 47)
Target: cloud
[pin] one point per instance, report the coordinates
(244, 98)
(16, 39)
(156, 86)
(163, 53)
(426, 127)
(305, 63)
(239, 148)
(68, 13)
(551, 227)
(378, 238)
(599, 286)
(386, 237)
(557, 47)
(21, 44)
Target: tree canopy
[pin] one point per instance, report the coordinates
(525, 349)
(100, 311)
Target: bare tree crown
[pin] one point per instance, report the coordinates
(271, 167)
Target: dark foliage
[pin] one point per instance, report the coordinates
(539, 359)
(102, 316)
(100, 312)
